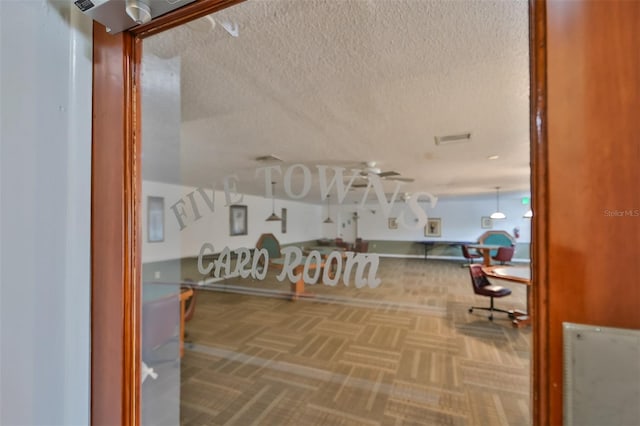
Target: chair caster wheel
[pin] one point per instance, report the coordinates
(470, 310)
(490, 318)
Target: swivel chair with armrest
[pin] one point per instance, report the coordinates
(504, 254)
(483, 287)
(469, 256)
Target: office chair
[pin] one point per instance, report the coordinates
(504, 254)
(469, 256)
(483, 287)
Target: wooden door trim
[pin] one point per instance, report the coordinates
(116, 209)
(114, 295)
(540, 205)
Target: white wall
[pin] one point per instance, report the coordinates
(460, 219)
(460, 216)
(45, 92)
(304, 223)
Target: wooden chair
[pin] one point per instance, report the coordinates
(270, 243)
(190, 303)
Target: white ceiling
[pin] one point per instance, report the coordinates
(341, 82)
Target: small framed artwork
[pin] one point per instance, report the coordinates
(433, 227)
(238, 220)
(393, 223)
(155, 219)
(486, 222)
(283, 215)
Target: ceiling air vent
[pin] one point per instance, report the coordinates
(449, 139)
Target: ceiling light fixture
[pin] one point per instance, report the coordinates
(328, 219)
(273, 217)
(528, 214)
(493, 157)
(498, 214)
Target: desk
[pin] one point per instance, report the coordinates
(516, 274)
(297, 288)
(486, 251)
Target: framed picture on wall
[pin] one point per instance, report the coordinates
(238, 220)
(283, 215)
(433, 227)
(155, 219)
(393, 223)
(486, 222)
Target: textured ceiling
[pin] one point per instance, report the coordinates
(341, 82)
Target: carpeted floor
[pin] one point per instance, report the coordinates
(405, 353)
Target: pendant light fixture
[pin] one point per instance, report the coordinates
(328, 219)
(498, 214)
(273, 217)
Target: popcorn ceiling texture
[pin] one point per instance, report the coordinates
(340, 82)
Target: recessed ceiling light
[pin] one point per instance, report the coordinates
(493, 157)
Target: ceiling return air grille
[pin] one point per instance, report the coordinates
(451, 139)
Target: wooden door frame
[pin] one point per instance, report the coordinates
(116, 214)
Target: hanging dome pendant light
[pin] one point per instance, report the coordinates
(328, 219)
(498, 214)
(273, 217)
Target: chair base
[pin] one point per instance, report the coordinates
(511, 314)
(491, 308)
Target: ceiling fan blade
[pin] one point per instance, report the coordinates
(388, 174)
(401, 179)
